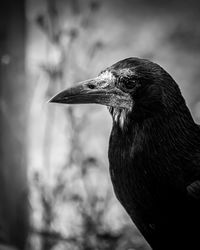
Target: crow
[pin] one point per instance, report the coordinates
(154, 149)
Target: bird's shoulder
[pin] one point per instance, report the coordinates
(193, 188)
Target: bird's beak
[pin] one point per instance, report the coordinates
(97, 90)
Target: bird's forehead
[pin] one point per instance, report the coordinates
(106, 75)
(111, 75)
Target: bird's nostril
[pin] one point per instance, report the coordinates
(91, 86)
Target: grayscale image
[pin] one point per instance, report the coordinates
(100, 134)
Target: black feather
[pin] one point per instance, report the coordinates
(155, 160)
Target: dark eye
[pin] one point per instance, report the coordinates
(128, 85)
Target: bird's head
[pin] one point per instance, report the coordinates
(133, 87)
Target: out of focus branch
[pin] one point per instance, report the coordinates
(55, 236)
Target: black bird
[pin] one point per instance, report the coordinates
(154, 149)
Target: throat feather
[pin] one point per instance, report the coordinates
(119, 116)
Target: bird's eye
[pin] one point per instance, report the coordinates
(128, 85)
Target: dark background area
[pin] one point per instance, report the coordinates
(59, 153)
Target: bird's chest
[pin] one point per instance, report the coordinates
(136, 174)
(130, 173)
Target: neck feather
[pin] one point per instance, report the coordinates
(176, 128)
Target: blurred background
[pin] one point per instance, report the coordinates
(55, 190)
